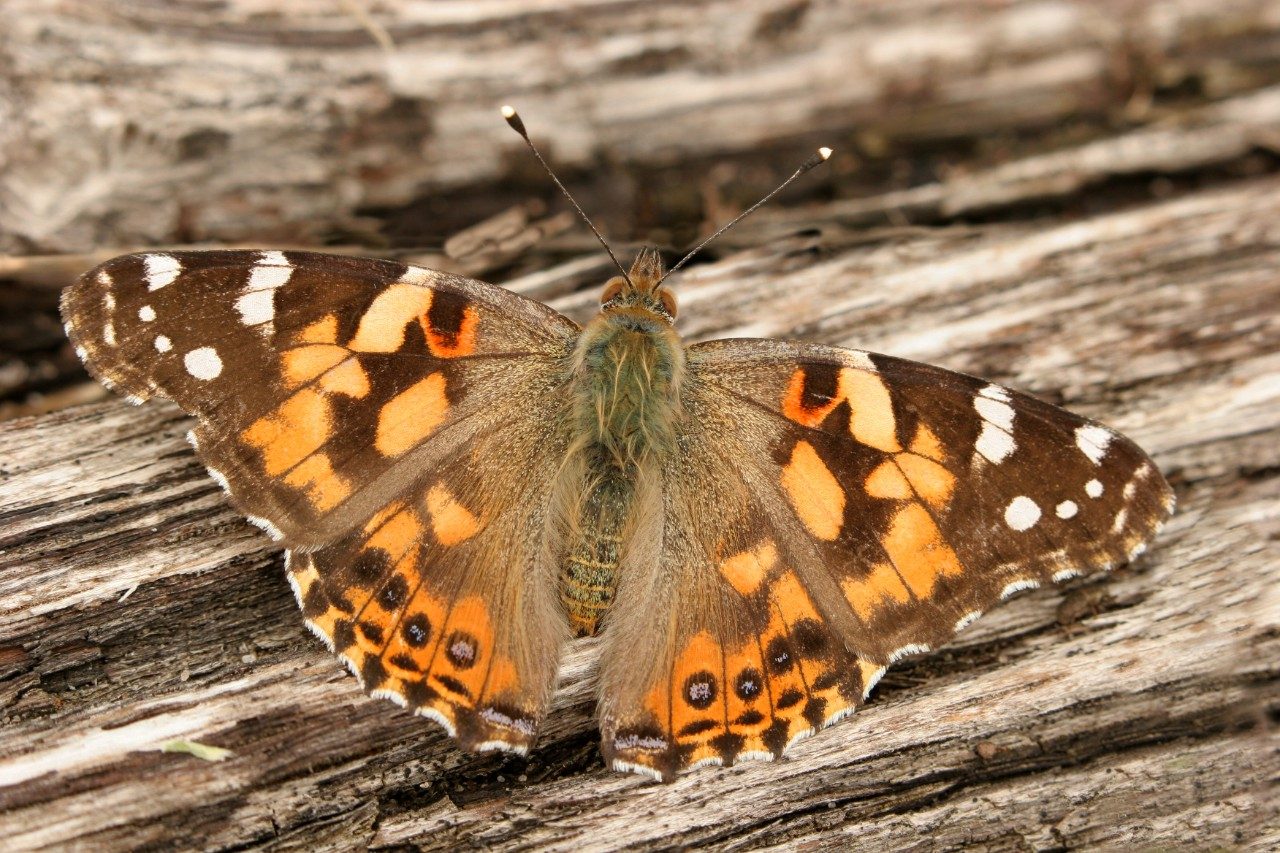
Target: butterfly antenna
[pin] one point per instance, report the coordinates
(513, 118)
(812, 163)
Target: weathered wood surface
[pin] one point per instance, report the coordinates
(1077, 199)
(283, 121)
(135, 607)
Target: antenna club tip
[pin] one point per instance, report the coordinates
(513, 118)
(824, 152)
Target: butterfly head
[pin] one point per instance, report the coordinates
(641, 289)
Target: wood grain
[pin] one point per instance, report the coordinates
(1078, 199)
(288, 121)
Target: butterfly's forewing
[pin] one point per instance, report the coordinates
(834, 511)
(375, 416)
(315, 377)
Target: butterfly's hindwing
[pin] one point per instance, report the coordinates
(444, 601)
(834, 511)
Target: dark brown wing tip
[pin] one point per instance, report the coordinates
(83, 308)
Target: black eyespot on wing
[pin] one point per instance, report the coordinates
(810, 638)
(393, 593)
(371, 631)
(461, 649)
(748, 684)
(700, 690)
(778, 656)
(370, 566)
(416, 630)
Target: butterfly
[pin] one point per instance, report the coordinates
(463, 479)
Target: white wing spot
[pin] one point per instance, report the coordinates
(994, 443)
(162, 270)
(109, 334)
(1121, 517)
(109, 299)
(163, 344)
(1066, 575)
(497, 745)
(146, 313)
(862, 361)
(268, 275)
(1022, 513)
(1093, 488)
(257, 307)
(104, 279)
(1019, 586)
(998, 413)
(1067, 509)
(966, 620)
(420, 276)
(803, 734)
(203, 363)
(394, 697)
(843, 713)
(1092, 441)
(273, 258)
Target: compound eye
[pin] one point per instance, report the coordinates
(668, 302)
(612, 288)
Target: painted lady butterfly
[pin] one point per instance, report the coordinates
(464, 478)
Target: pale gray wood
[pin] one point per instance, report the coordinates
(166, 122)
(1137, 710)
(1131, 710)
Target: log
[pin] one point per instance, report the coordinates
(1080, 200)
(160, 123)
(136, 608)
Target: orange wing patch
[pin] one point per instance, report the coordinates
(293, 432)
(814, 492)
(915, 545)
(412, 415)
(406, 642)
(747, 570)
(322, 331)
(450, 521)
(450, 329)
(382, 328)
(315, 477)
(719, 705)
(881, 586)
(812, 394)
(918, 554)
